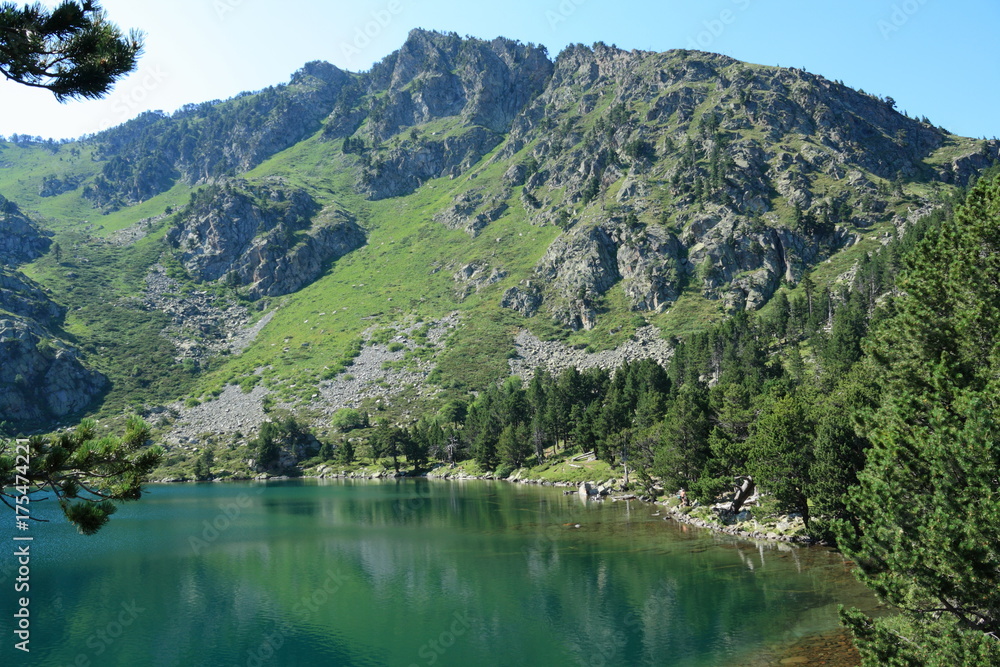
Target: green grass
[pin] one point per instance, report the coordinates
(560, 469)
(689, 314)
(403, 273)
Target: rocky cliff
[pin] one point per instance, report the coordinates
(269, 239)
(41, 375)
(21, 239)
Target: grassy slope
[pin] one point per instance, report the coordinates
(405, 271)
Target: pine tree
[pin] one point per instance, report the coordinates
(86, 473)
(843, 347)
(779, 452)
(345, 452)
(72, 50)
(839, 447)
(927, 539)
(326, 451)
(683, 451)
(388, 440)
(514, 445)
(809, 287)
(413, 446)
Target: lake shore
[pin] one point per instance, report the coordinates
(831, 648)
(582, 474)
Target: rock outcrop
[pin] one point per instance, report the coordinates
(405, 168)
(268, 239)
(473, 210)
(21, 240)
(481, 85)
(23, 297)
(476, 276)
(41, 377)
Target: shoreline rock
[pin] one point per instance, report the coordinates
(595, 492)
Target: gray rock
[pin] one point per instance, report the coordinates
(41, 377)
(525, 300)
(272, 238)
(21, 240)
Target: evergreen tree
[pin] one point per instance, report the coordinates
(683, 450)
(326, 451)
(927, 539)
(514, 446)
(388, 441)
(780, 314)
(267, 446)
(779, 452)
(416, 445)
(87, 474)
(203, 465)
(843, 347)
(345, 452)
(839, 447)
(72, 50)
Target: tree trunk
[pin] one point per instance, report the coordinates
(743, 492)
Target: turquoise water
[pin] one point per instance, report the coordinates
(411, 572)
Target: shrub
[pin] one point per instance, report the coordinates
(504, 470)
(348, 419)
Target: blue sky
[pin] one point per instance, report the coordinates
(936, 58)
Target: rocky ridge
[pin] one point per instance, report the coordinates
(666, 171)
(659, 193)
(202, 142)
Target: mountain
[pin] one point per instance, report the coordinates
(395, 238)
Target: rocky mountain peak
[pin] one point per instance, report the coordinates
(435, 75)
(319, 70)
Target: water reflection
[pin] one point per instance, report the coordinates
(386, 573)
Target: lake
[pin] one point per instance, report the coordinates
(414, 572)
